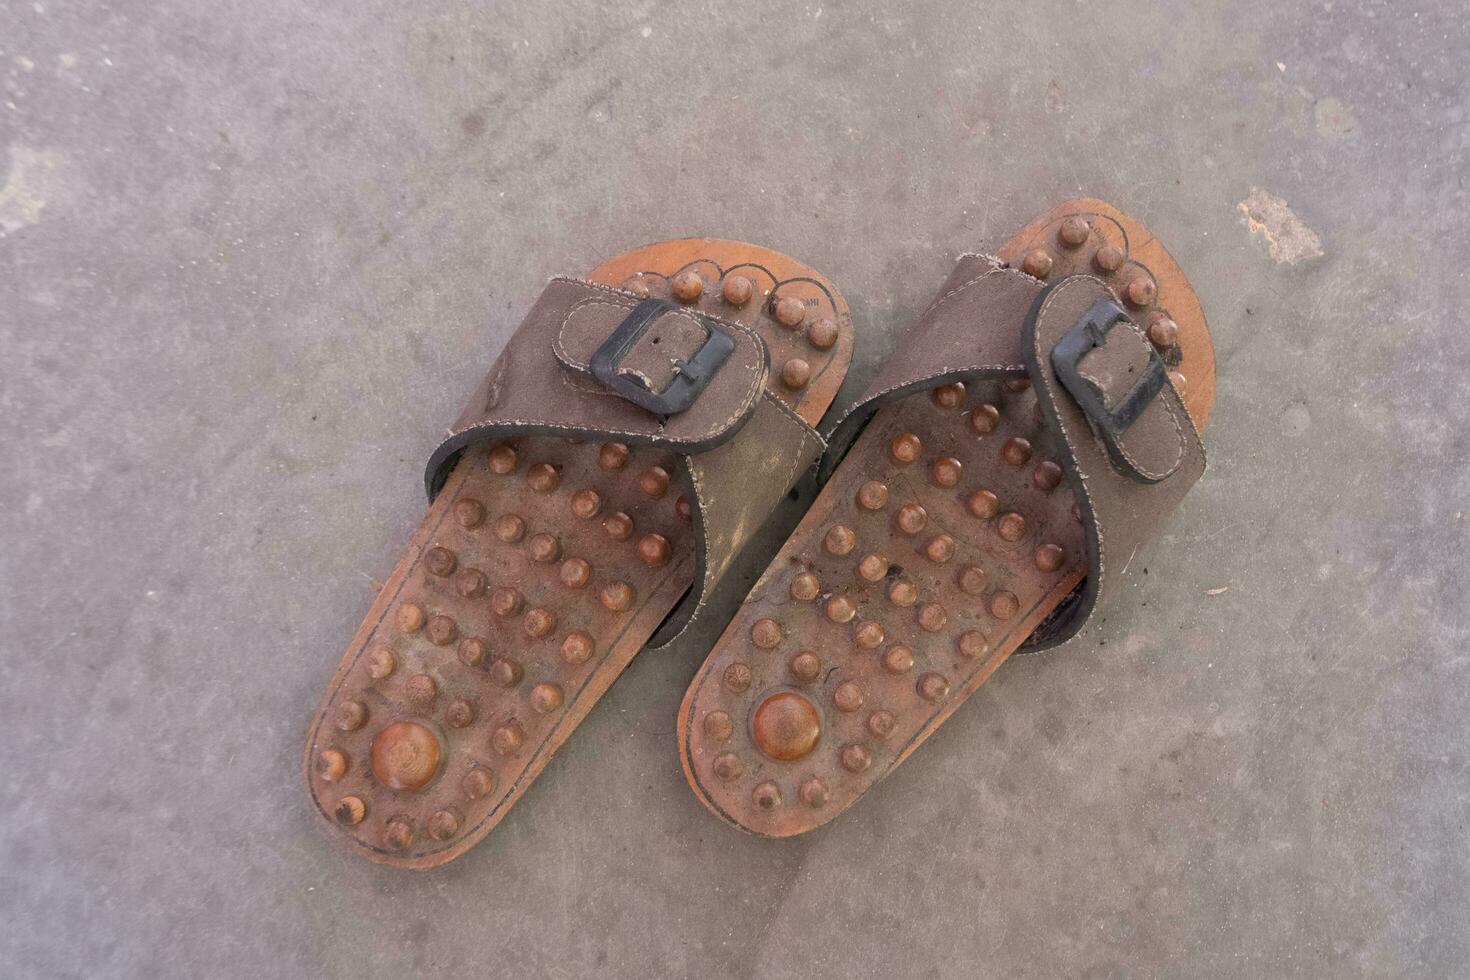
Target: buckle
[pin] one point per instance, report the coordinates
(690, 378)
(1085, 336)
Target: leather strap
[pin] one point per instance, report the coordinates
(741, 447)
(1128, 446)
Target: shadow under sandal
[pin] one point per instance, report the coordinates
(623, 448)
(1029, 434)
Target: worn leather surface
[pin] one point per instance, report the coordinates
(992, 321)
(1120, 513)
(741, 447)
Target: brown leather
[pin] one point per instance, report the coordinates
(742, 448)
(1120, 513)
(973, 331)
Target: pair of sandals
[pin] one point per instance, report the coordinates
(1027, 436)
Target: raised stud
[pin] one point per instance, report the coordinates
(1047, 476)
(1049, 557)
(932, 617)
(903, 593)
(654, 549)
(502, 459)
(1163, 332)
(617, 596)
(470, 583)
(1037, 263)
(932, 686)
(469, 512)
(1017, 385)
(1109, 259)
(869, 635)
(585, 504)
(1074, 231)
(440, 561)
(539, 622)
(1011, 527)
(477, 783)
(546, 697)
(737, 290)
(984, 419)
(506, 601)
(873, 567)
(856, 758)
(577, 647)
(983, 504)
(805, 586)
(766, 796)
(543, 478)
(1004, 605)
(442, 630)
(443, 825)
(972, 644)
(766, 634)
(948, 396)
(1141, 291)
(638, 286)
(813, 793)
(872, 495)
(972, 580)
(654, 481)
(898, 659)
(506, 671)
(946, 471)
(905, 448)
(510, 528)
(1180, 383)
(405, 756)
(380, 663)
(618, 526)
(840, 609)
(805, 666)
(795, 373)
(331, 765)
(848, 697)
(839, 540)
(881, 723)
(411, 617)
(727, 767)
(718, 726)
(472, 651)
(790, 312)
(939, 548)
(687, 286)
(785, 726)
(351, 715)
(507, 739)
(1016, 451)
(737, 678)
(421, 690)
(459, 713)
(822, 333)
(910, 519)
(543, 547)
(398, 834)
(612, 455)
(575, 573)
(350, 810)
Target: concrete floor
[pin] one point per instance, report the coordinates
(254, 254)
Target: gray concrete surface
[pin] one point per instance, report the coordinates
(253, 254)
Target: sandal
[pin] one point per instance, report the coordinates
(1032, 431)
(623, 448)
